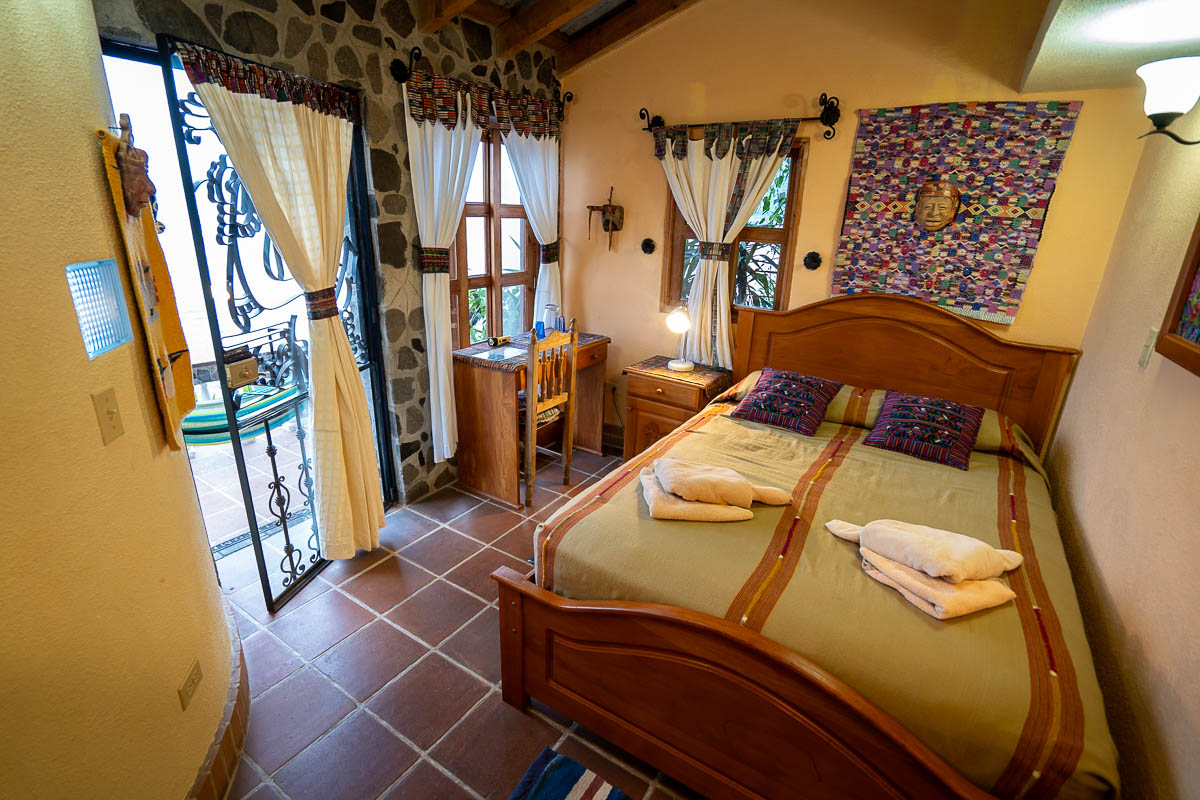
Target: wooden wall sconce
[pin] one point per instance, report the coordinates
(612, 217)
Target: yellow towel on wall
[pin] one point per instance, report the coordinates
(167, 349)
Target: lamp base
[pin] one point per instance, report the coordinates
(680, 365)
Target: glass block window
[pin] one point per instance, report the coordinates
(100, 305)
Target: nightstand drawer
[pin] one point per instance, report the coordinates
(663, 391)
(646, 422)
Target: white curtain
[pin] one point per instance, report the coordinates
(704, 185)
(294, 161)
(535, 165)
(441, 160)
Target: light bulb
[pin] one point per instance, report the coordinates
(1172, 85)
(678, 320)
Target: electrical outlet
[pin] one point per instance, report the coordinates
(190, 683)
(108, 415)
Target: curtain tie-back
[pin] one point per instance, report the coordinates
(322, 303)
(715, 250)
(548, 253)
(435, 260)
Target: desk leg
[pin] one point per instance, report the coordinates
(488, 436)
(589, 408)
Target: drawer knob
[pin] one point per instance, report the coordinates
(658, 390)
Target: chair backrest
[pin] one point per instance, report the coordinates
(550, 376)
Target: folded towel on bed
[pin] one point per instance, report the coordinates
(708, 484)
(934, 596)
(938, 553)
(664, 505)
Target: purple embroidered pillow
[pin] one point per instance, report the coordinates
(929, 428)
(787, 400)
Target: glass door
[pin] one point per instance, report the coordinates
(242, 310)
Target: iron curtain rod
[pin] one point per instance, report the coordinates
(829, 116)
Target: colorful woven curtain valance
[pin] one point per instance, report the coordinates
(755, 138)
(1002, 157)
(440, 98)
(246, 77)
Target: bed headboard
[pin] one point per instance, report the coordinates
(892, 342)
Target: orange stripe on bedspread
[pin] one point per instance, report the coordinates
(784, 541)
(757, 616)
(552, 533)
(1052, 738)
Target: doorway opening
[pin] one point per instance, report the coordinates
(248, 441)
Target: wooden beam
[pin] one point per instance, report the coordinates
(433, 14)
(537, 20)
(616, 30)
(488, 12)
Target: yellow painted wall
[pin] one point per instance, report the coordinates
(1126, 461)
(109, 591)
(732, 60)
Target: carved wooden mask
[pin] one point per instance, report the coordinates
(134, 164)
(937, 204)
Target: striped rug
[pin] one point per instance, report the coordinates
(555, 777)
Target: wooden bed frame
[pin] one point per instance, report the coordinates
(722, 708)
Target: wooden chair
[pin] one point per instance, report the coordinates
(549, 384)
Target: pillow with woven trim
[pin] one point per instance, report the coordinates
(928, 428)
(787, 400)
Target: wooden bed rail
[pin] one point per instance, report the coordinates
(722, 708)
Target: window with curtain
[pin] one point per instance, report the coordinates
(761, 257)
(494, 259)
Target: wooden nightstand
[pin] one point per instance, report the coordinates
(659, 400)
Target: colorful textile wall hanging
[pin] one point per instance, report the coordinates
(167, 350)
(998, 161)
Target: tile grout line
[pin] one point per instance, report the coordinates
(493, 688)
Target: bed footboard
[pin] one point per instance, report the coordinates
(722, 708)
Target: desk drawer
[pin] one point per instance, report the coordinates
(592, 354)
(663, 391)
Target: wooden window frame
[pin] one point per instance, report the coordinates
(677, 230)
(1170, 344)
(493, 279)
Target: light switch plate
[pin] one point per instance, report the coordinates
(108, 415)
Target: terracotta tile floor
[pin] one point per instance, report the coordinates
(381, 679)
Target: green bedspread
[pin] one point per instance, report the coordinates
(1008, 696)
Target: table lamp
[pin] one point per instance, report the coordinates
(679, 322)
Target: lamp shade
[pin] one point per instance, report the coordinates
(678, 320)
(1172, 85)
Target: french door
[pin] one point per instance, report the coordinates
(245, 320)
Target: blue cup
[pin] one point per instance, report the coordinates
(541, 329)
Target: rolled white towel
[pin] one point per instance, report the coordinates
(937, 553)
(664, 505)
(934, 596)
(710, 484)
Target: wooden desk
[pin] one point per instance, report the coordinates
(486, 382)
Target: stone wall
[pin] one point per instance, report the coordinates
(352, 43)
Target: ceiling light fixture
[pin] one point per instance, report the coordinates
(1172, 89)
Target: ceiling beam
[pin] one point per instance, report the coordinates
(494, 14)
(616, 30)
(536, 21)
(433, 14)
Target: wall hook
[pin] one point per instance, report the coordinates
(401, 71)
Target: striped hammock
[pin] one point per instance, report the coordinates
(207, 424)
